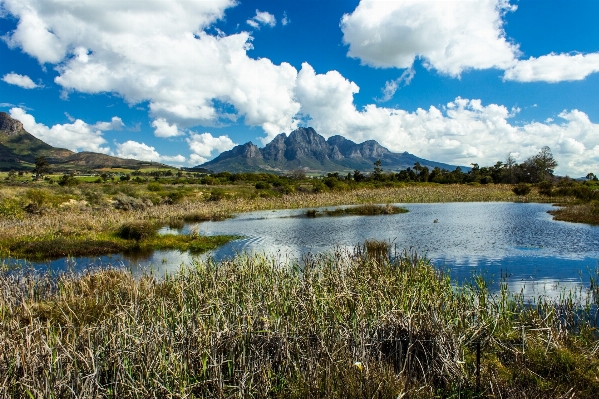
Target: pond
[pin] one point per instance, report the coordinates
(520, 241)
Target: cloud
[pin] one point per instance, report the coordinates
(262, 18)
(141, 151)
(205, 146)
(158, 52)
(163, 129)
(554, 68)
(461, 132)
(450, 37)
(76, 136)
(23, 81)
(393, 85)
(285, 20)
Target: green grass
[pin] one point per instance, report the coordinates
(131, 236)
(254, 326)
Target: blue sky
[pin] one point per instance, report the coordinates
(181, 81)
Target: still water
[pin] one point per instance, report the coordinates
(539, 256)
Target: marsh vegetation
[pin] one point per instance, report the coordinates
(361, 324)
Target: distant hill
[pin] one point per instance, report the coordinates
(19, 149)
(304, 148)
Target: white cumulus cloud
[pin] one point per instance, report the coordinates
(76, 136)
(23, 81)
(163, 129)
(204, 146)
(262, 18)
(143, 152)
(158, 52)
(460, 132)
(554, 68)
(450, 36)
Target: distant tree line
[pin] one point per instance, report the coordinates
(535, 169)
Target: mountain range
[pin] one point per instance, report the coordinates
(19, 149)
(305, 149)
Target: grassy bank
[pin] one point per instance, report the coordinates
(337, 325)
(578, 213)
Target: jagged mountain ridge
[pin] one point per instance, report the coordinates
(305, 148)
(19, 148)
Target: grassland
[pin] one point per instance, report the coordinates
(338, 325)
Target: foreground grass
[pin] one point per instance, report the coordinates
(336, 325)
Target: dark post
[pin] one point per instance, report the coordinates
(478, 367)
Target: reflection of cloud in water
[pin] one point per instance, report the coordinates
(549, 288)
(488, 238)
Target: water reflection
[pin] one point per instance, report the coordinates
(495, 239)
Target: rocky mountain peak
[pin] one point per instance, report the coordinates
(305, 148)
(10, 125)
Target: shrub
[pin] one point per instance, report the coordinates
(546, 188)
(217, 194)
(94, 197)
(36, 196)
(10, 207)
(137, 231)
(262, 185)
(154, 186)
(68, 180)
(318, 186)
(521, 189)
(127, 203)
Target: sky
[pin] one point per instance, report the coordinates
(181, 81)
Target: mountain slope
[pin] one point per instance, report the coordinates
(18, 148)
(306, 149)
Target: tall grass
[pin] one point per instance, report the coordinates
(362, 324)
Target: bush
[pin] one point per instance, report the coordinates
(136, 230)
(10, 207)
(546, 188)
(154, 186)
(94, 197)
(68, 180)
(521, 189)
(127, 203)
(262, 185)
(217, 194)
(37, 197)
(318, 186)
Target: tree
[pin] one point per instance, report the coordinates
(41, 167)
(591, 176)
(377, 174)
(358, 176)
(510, 164)
(545, 164)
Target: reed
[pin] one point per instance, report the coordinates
(341, 324)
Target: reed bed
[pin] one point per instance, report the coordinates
(578, 213)
(362, 324)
